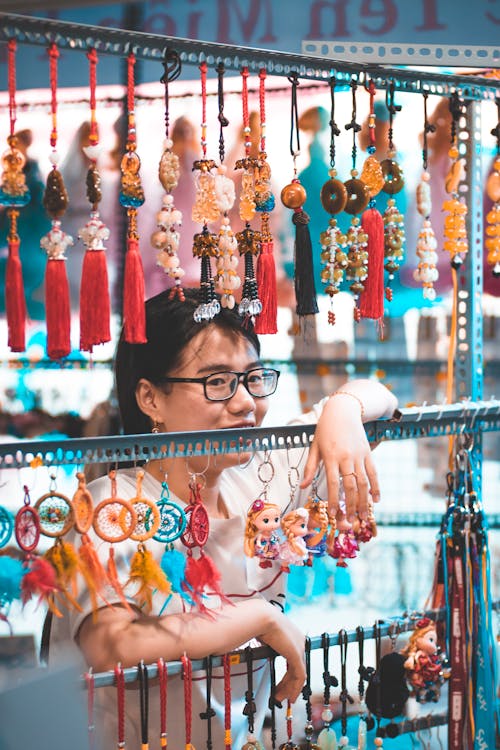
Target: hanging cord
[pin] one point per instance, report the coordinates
(90, 682)
(294, 120)
(163, 686)
(428, 128)
(250, 708)
(94, 131)
(120, 704)
(203, 81)
(344, 694)
(223, 121)
(172, 70)
(272, 699)
(246, 116)
(131, 134)
(227, 702)
(495, 132)
(371, 116)
(262, 107)
(187, 676)
(53, 57)
(353, 125)
(456, 106)
(334, 128)
(392, 109)
(306, 694)
(11, 67)
(209, 713)
(144, 703)
(378, 654)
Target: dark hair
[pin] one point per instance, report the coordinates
(169, 328)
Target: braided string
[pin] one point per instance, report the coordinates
(120, 705)
(162, 681)
(187, 676)
(203, 81)
(144, 703)
(223, 121)
(244, 103)
(94, 131)
(262, 107)
(11, 68)
(53, 54)
(131, 134)
(227, 702)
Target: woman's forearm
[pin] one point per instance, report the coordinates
(374, 399)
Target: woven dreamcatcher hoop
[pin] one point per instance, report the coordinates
(55, 512)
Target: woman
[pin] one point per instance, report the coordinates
(205, 376)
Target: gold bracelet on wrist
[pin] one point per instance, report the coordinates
(352, 395)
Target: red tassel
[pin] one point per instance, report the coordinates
(134, 313)
(210, 577)
(266, 284)
(40, 579)
(57, 309)
(15, 302)
(94, 301)
(371, 301)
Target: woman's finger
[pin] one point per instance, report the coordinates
(363, 486)
(311, 466)
(372, 475)
(349, 480)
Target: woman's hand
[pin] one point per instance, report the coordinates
(340, 442)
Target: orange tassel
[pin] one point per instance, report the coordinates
(113, 579)
(94, 301)
(57, 309)
(371, 301)
(15, 302)
(266, 284)
(134, 311)
(92, 570)
(145, 571)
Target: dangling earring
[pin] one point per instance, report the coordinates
(156, 427)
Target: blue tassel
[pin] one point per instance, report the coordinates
(11, 575)
(173, 564)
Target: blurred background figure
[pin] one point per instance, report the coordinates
(33, 223)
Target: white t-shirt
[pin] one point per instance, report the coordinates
(240, 575)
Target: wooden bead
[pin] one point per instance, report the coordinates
(333, 196)
(358, 196)
(393, 176)
(293, 195)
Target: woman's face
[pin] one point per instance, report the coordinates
(182, 407)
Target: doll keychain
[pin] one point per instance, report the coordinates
(263, 520)
(294, 525)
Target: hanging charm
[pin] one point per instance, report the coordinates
(357, 200)
(226, 279)
(173, 523)
(226, 665)
(426, 271)
(56, 242)
(394, 233)
(492, 230)
(166, 238)
(344, 697)
(294, 196)
(94, 289)
(14, 194)
(205, 210)
(306, 695)
(327, 739)
(371, 303)
(455, 230)
(249, 240)
(250, 708)
(319, 523)
(266, 321)
(263, 521)
(131, 197)
(333, 200)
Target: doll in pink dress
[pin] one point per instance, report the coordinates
(261, 538)
(293, 551)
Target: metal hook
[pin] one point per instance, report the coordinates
(421, 412)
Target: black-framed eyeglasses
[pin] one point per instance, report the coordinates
(260, 382)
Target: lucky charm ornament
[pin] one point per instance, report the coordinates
(492, 230)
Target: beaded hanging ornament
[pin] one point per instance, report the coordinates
(327, 739)
(250, 708)
(455, 230)
(426, 272)
(294, 196)
(306, 695)
(205, 210)
(249, 240)
(357, 200)
(333, 200)
(344, 696)
(261, 537)
(492, 230)
(166, 238)
(114, 521)
(266, 321)
(94, 289)
(132, 197)
(14, 194)
(56, 241)
(394, 233)
(226, 280)
(371, 303)
(145, 572)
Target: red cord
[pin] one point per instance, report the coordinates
(130, 97)
(289, 725)
(89, 679)
(262, 106)
(94, 133)
(203, 71)
(11, 67)
(120, 700)
(53, 54)
(227, 702)
(244, 101)
(371, 120)
(162, 679)
(187, 675)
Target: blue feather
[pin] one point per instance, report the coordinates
(173, 564)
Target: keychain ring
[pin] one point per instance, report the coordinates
(260, 470)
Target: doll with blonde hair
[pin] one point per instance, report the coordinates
(295, 527)
(261, 539)
(424, 662)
